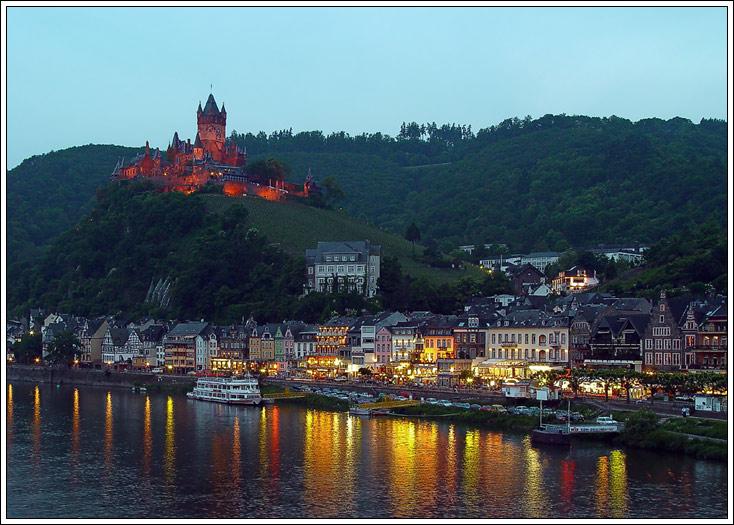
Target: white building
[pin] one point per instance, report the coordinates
(343, 266)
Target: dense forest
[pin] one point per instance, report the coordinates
(545, 184)
(216, 266)
(535, 184)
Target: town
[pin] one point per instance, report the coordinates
(496, 342)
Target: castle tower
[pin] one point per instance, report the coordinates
(212, 125)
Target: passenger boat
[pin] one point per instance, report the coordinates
(236, 390)
(359, 411)
(379, 412)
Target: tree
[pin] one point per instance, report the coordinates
(332, 191)
(545, 377)
(65, 348)
(28, 348)
(413, 234)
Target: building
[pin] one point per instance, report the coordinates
(574, 280)
(540, 260)
(179, 346)
(212, 158)
(343, 267)
(663, 340)
(525, 278)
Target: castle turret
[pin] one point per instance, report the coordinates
(212, 125)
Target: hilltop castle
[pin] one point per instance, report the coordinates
(210, 159)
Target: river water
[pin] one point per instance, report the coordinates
(90, 452)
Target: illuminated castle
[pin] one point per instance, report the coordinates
(210, 159)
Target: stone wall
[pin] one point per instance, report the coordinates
(63, 375)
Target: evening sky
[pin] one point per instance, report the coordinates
(124, 75)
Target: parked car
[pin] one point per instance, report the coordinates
(432, 401)
(576, 416)
(486, 408)
(157, 371)
(474, 406)
(444, 402)
(523, 410)
(498, 408)
(462, 405)
(605, 420)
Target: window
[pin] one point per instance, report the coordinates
(667, 359)
(328, 258)
(310, 270)
(676, 344)
(666, 344)
(563, 338)
(340, 269)
(493, 339)
(526, 338)
(676, 359)
(648, 344)
(662, 307)
(350, 269)
(658, 358)
(662, 318)
(360, 268)
(533, 339)
(658, 344)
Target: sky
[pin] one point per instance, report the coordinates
(79, 75)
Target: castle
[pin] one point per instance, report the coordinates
(210, 159)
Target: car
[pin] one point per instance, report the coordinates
(191, 373)
(474, 406)
(575, 416)
(444, 403)
(522, 410)
(605, 420)
(486, 408)
(156, 371)
(340, 378)
(462, 405)
(432, 401)
(498, 408)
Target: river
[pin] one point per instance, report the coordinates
(91, 452)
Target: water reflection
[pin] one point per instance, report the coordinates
(36, 426)
(9, 422)
(147, 440)
(568, 468)
(298, 463)
(618, 484)
(534, 493)
(75, 431)
(236, 456)
(169, 458)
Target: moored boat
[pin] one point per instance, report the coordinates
(236, 390)
(359, 411)
(551, 437)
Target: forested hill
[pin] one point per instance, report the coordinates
(534, 184)
(48, 194)
(539, 184)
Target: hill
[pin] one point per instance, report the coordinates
(534, 184)
(295, 227)
(196, 256)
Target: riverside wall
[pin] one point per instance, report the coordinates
(64, 375)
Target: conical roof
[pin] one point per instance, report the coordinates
(211, 106)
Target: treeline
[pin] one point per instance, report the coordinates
(549, 183)
(220, 269)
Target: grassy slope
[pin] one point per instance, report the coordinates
(295, 228)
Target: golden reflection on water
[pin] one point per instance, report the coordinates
(36, 426)
(472, 468)
(451, 470)
(262, 444)
(169, 458)
(534, 494)
(147, 439)
(402, 467)
(611, 485)
(75, 429)
(236, 456)
(9, 421)
(108, 431)
(618, 483)
(329, 473)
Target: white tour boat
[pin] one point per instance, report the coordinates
(236, 390)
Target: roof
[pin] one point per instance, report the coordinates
(361, 248)
(188, 329)
(211, 106)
